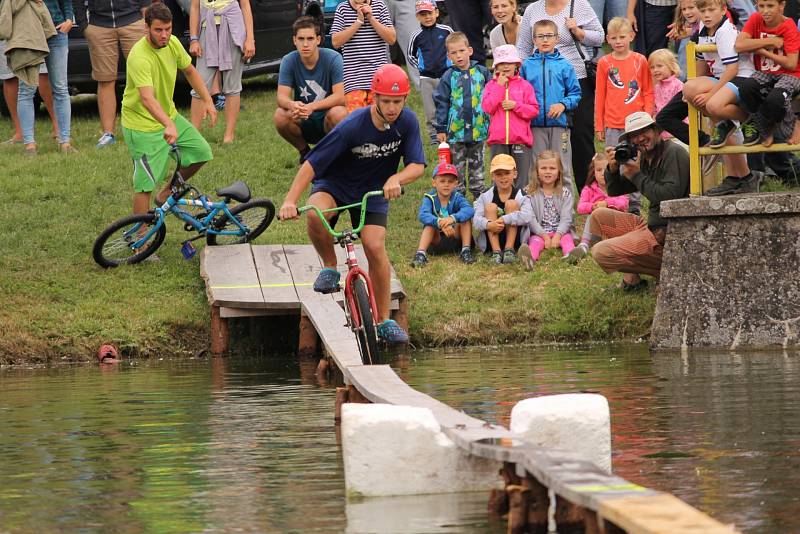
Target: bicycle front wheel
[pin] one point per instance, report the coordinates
(115, 245)
(255, 216)
(367, 335)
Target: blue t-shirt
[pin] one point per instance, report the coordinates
(355, 157)
(311, 85)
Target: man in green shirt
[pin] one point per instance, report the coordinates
(150, 122)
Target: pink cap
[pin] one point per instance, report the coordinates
(425, 5)
(506, 54)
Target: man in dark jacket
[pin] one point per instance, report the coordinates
(107, 25)
(660, 170)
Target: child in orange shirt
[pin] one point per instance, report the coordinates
(623, 83)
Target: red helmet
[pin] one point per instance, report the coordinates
(390, 80)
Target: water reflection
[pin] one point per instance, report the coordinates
(249, 445)
(719, 430)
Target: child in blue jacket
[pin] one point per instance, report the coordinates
(460, 120)
(557, 91)
(446, 217)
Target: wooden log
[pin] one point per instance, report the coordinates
(591, 522)
(220, 333)
(308, 340)
(353, 395)
(517, 508)
(498, 503)
(322, 367)
(509, 474)
(569, 517)
(341, 398)
(401, 314)
(607, 527)
(538, 506)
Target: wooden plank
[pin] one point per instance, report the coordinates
(226, 312)
(659, 514)
(231, 278)
(329, 320)
(277, 285)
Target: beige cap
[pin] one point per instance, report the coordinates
(503, 162)
(636, 121)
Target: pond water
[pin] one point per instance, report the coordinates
(249, 445)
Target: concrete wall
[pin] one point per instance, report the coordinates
(731, 273)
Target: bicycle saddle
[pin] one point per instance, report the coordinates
(238, 191)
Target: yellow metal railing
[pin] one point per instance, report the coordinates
(695, 150)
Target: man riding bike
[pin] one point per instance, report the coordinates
(362, 154)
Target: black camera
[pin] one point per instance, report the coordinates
(625, 151)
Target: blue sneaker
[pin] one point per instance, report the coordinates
(105, 140)
(327, 281)
(390, 332)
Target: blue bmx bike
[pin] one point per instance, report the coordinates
(134, 238)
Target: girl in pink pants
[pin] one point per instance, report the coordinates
(548, 208)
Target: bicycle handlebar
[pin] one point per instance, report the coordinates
(363, 205)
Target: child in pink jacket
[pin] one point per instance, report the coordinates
(511, 103)
(594, 193)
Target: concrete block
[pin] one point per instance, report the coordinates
(401, 450)
(578, 423)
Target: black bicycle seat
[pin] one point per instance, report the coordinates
(238, 191)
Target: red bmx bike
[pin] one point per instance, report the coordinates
(359, 300)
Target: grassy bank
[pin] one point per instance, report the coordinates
(58, 304)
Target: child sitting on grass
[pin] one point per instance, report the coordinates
(548, 210)
(595, 195)
(446, 218)
(497, 216)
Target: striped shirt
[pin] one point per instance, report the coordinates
(365, 51)
(725, 39)
(584, 16)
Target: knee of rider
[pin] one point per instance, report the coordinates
(374, 250)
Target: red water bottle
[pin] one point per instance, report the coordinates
(444, 153)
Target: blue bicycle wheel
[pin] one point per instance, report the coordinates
(119, 244)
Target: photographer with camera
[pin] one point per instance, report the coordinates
(659, 168)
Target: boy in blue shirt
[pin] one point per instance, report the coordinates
(446, 216)
(460, 120)
(428, 53)
(557, 91)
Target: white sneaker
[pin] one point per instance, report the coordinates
(105, 140)
(576, 254)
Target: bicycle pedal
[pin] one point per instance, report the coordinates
(188, 250)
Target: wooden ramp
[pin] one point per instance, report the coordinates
(246, 281)
(260, 280)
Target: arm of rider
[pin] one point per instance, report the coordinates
(148, 96)
(194, 29)
(300, 183)
(392, 188)
(194, 79)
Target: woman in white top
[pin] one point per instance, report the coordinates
(507, 17)
(584, 26)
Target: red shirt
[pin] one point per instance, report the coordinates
(757, 29)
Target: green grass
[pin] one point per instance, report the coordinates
(58, 304)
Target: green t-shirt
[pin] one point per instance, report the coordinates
(156, 68)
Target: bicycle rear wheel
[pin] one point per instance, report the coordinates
(114, 246)
(367, 335)
(255, 215)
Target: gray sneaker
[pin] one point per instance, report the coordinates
(576, 254)
(509, 256)
(525, 257)
(496, 257)
(733, 185)
(420, 259)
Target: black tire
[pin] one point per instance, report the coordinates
(258, 217)
(113, 246)
(367, 336)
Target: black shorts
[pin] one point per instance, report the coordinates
(372, 218)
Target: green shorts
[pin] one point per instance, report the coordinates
(313, 128)
(150, 153)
